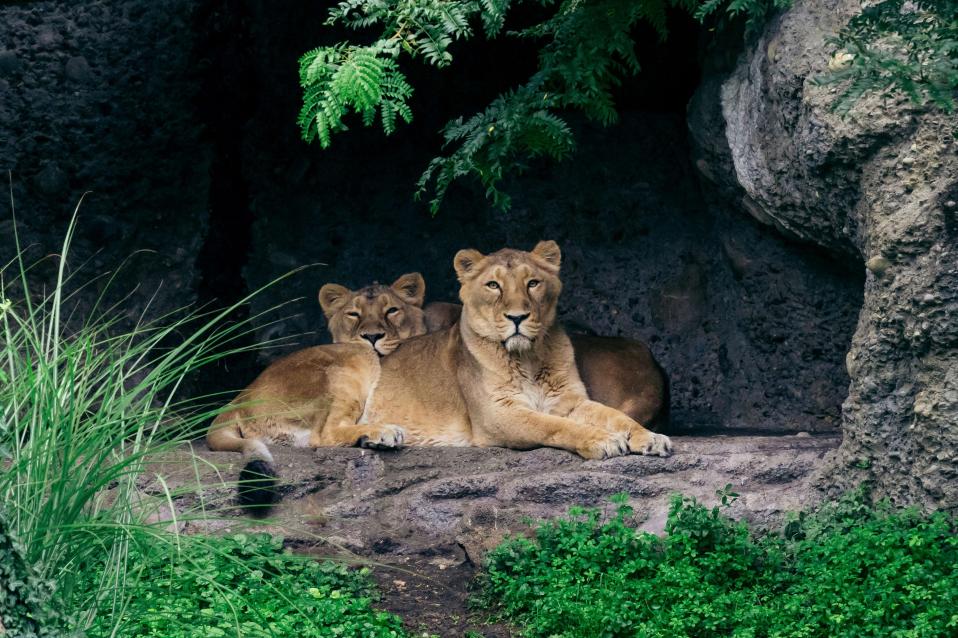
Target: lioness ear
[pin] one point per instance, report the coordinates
(549, 251)
(411, 287)
(332, 297)
(465, 262)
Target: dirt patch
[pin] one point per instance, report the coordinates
(430, 591)
(433, 598)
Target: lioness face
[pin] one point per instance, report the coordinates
(378, 316)
(510, 296)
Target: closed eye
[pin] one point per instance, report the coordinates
(492, 285)
(392, 311)
(352, 313)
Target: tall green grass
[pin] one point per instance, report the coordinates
(86, 403)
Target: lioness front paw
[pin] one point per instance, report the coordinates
(605, 446)
(652, 445)
(387, 437)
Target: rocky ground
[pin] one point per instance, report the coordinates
(428, 515)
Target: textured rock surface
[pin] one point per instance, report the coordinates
(882, 186)
(454, 503)
(752, 330)
(98, 96)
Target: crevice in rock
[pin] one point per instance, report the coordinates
(225, 104)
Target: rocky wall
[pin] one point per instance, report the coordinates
(99, 97)
(880, 185)
(751, 328)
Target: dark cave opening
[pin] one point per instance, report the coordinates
(225, 105)
(752, 328)
(245, 68)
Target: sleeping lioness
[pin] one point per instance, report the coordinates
(504, 375)
(377, 315)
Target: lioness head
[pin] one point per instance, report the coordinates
(510, 296)
(377, 315)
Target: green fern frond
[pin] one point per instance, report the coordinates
(708, 8)
(313, 64)
(548, 134)
(586, 50)
(654, 14)
(756, 12)
(455, 19)
(492, 144)
(355, 14)
(395, 93)
(494, 16)
(339, 80)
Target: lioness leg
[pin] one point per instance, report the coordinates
(349, 390)
(641, 441)
(523, 429)
(369, 435)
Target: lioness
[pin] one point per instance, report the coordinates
(377, 315)
(619, 372)
(504, 375)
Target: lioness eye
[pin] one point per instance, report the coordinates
(533, 283)
(492, 285)
(392, 310)
(352, 313)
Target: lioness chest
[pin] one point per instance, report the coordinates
(425, 388)
(530, 387)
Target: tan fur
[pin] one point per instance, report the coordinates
(620, 373)
(441, 314)
(377, 316)
(488, 380)
(325, 386)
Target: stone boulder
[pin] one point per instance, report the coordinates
(880, 185)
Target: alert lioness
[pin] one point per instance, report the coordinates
(504, 375)
(618, 372)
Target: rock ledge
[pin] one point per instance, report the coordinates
(455, 503)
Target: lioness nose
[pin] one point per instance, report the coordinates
(517, 319)
(372, 339)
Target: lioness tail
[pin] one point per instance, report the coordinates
(258, 478)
